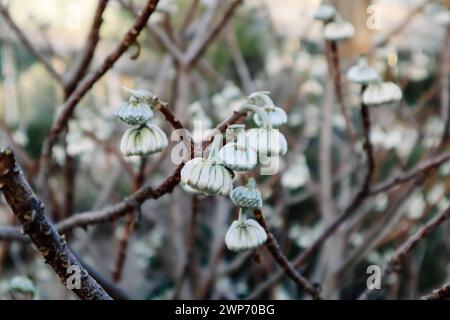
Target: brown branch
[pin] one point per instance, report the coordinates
(189, 265)
(29, 211)
(359, 198)
(274, 249)
(130, 226)
(421, 169)
(82, 66)
(69, 106)
(394, 264)
(196, 49)
(28, 44)
(335, 70)
(443, 293)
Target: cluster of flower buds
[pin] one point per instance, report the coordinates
(143, 138)
(245, 234)
(243, 151)
(376, 91)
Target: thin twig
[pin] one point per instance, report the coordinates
(281, 259)
(83, 63)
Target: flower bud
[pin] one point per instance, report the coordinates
(275, 115)
(207, 175)
(247, 196)
(338, 30)
(362, 73)
(267, 141)
(238, 155)
(143, 140)
(382, 93)
(325, 12)
(245, 234)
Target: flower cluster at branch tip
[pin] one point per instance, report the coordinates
(245, 234)
(338, 29)
(325, 12)
(376, 92)
(144, 138)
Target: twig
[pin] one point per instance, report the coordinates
(393, 266)
(195, 50)
(189, 265)
(29, 210)
(421, 169)
(443, 293)
(281, 259)
(81, 67)
(28, 45)
(334, 66)
(129, 227)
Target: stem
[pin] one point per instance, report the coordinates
(258, 110)
(280, 258)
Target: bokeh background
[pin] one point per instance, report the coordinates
(266, 45)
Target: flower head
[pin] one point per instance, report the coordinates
(381, 93)
(238, 155)
(207, 176)
(144, 140)
(247, 196)
(362, 73)
(138, 109)
(325, 12)
(267, 141)
(275, 115)
(338, 30)
(245, 234)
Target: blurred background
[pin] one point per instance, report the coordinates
(263, 45)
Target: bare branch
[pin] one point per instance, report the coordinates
(29, 210)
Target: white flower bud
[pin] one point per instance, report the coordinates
(207, 175)
(362, 73)
(21, 288)
(238, 155)
(247, 196)
(143, 140)
(267, 141)
(338, 30)
(245, 234)
(138, 110)
(382, 93)
(275, 115)
(325, 12)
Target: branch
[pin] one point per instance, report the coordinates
(81, 67)
(28, 45)
(196, 48)
(29, 210)
(405, 249)
(281, 259)
(443, 293)
(422, 169)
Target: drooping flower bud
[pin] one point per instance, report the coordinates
(338, 30)
(267, 141)
(143, 140)
(325, 12)
(207, 175)
(276, 116)
(362, 73)
(381, 93)
(245, 234)
(247, 196)
(238, 155)
(138, 109)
